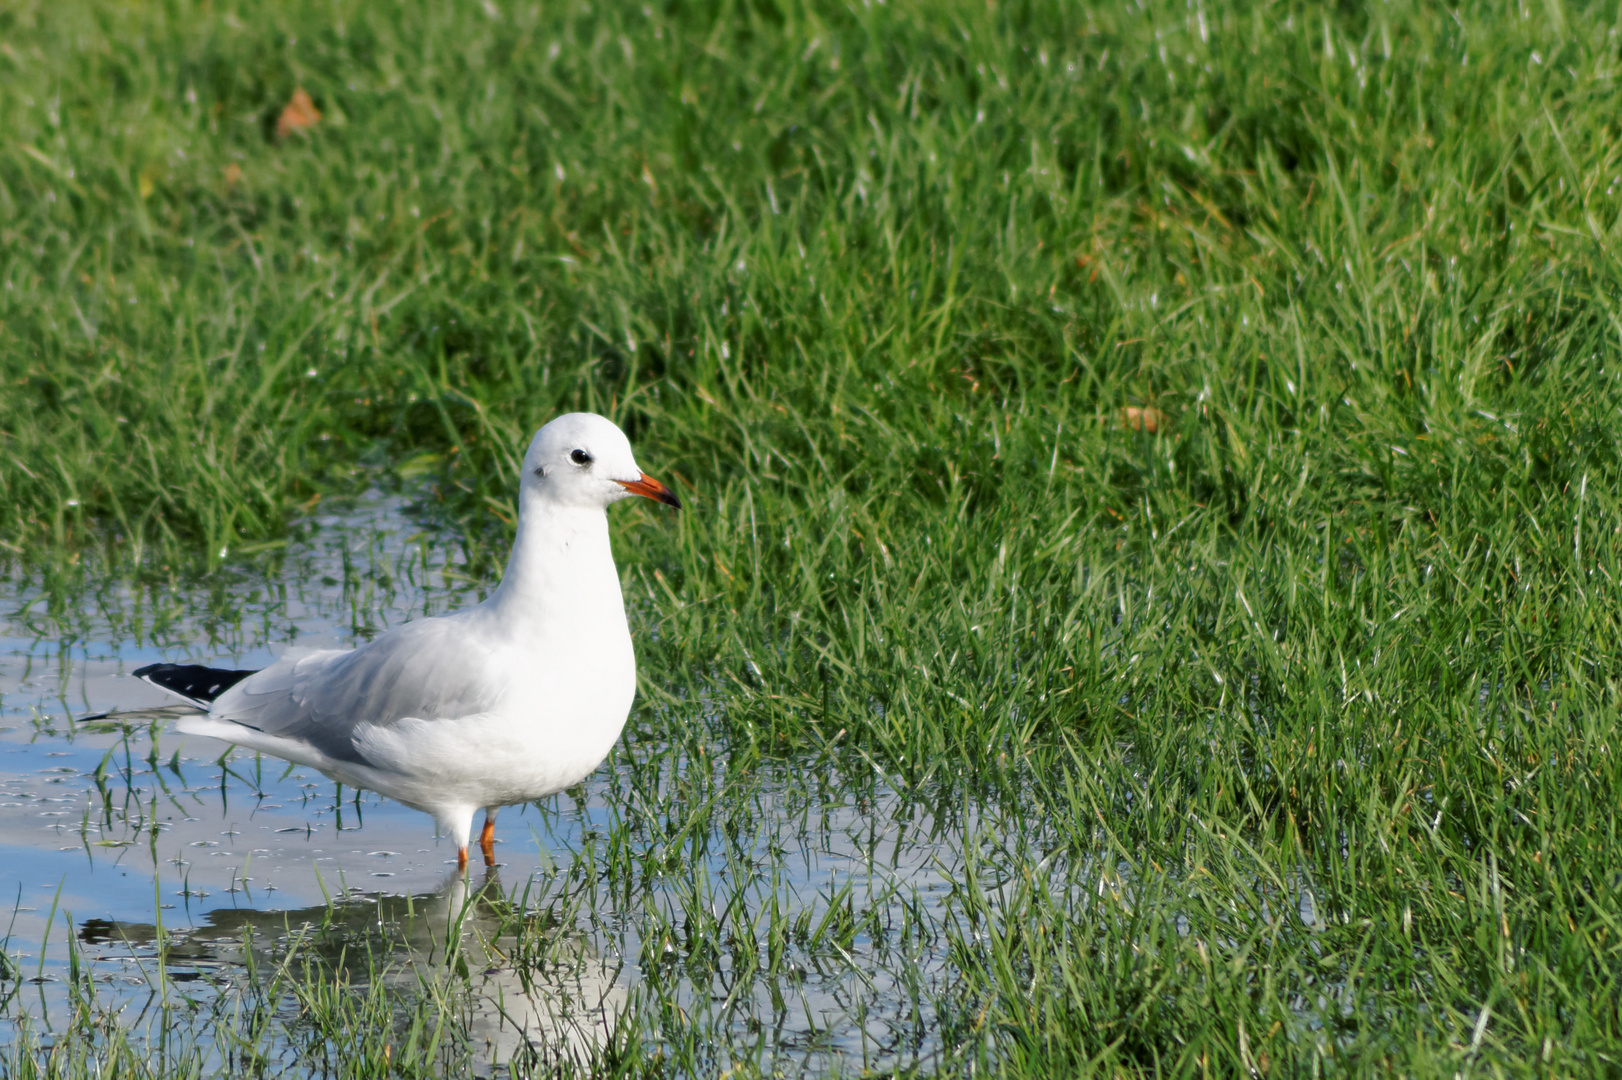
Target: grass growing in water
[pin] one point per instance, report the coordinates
(874, 285)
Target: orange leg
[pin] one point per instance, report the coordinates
(487, 839)
(461, 858)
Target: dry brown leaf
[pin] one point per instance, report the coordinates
(233, 173)
(300, 114)
(1148, 419)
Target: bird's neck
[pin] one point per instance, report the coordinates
(561, 564)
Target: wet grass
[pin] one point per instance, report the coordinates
(1297, 713)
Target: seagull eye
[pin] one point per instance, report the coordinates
(579, 457)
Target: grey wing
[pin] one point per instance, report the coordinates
(430, 669)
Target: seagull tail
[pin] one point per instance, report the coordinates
(197, 684)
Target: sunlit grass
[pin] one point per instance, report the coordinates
(871, 286)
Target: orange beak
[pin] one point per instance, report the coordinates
(649, 488)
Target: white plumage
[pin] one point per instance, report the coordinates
(506, 702)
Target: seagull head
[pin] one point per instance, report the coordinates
(582, 459)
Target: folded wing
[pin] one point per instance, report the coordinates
(432, 669)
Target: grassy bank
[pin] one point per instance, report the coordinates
(872, 285)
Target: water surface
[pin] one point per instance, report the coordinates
(789, 915)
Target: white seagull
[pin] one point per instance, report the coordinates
(506, 702)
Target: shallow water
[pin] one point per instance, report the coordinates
(788, 916)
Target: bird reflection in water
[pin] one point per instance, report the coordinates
(522, 988)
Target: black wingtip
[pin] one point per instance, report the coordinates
(194, 682)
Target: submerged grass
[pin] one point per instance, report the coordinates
(1331, 614)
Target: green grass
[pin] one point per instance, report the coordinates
(871, 284)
